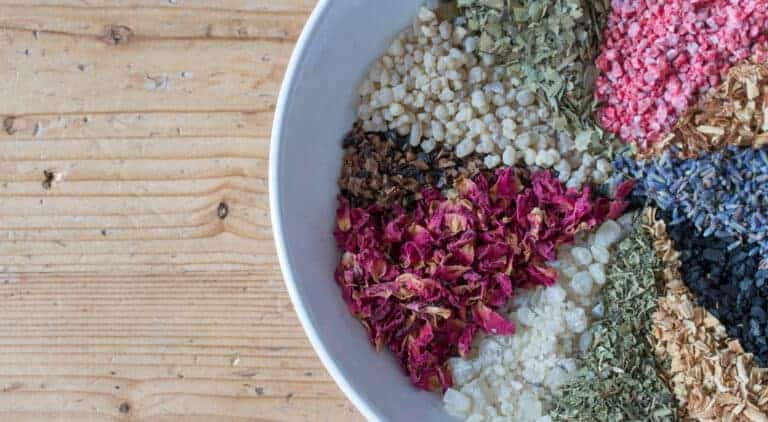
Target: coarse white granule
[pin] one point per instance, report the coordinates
(514, 377)
(433, 84)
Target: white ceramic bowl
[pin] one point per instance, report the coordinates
(316, 108)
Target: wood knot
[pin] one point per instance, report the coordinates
(116, 35)
(124, 407)
(49, 178)
(9, 125)
(223, 210)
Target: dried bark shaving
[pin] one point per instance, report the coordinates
(710, 374)
(735, 113)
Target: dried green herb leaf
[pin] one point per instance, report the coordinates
(619, 379)
(551, 46)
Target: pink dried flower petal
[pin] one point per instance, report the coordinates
(424, 282)
(492, 322)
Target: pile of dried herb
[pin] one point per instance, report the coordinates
(659, 56)
(721, 194)
(711, 375)
(619, 378)
(736, 113)
(425, 283)
(384, 169)
(728, 281)
(551, 46)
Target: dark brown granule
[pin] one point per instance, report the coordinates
(384, 169)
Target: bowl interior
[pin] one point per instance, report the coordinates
(316, 108)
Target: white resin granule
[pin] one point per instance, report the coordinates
(512, 378)
(434, 84)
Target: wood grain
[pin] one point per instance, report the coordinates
(127, 128)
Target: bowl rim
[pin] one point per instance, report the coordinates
(310, 28)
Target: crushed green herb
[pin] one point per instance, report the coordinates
(619, 380)
(551, 46)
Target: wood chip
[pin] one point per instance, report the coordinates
(711, 376)
(736, 113)
(711, 130)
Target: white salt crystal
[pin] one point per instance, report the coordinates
(463, 370)
(626, 221)
(585, 341)
(608, 233)
(510, 357)
(457, 403)
(475, 418)
(529, 407)
(569, 364)
(581, 255)
(581, 283)
(570, 271)
(491, 413)
(600, 253)
(476, 391)
(556, 377)
(507, 408)
(524, 97)
(597, 271)
(490, 351)
(555, 294)
(492, 160)
(534, 371)
(525, 316)
(576, 320)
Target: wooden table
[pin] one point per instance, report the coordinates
(137, 270)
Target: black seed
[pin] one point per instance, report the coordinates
(729, 284)
(758, 313)
(350, 140)
(408, 171)
(392, 136)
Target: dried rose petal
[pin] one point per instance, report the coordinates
(492, 322)
(424, 282)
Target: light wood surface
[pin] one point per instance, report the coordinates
(138, 275)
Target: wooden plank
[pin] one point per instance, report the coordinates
(296, 7)
(161, 75)
(138, 276)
